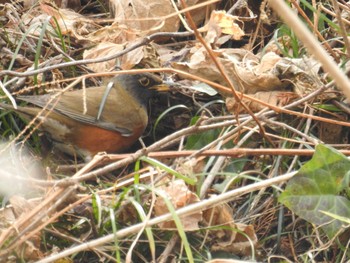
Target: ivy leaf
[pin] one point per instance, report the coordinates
(320, 185)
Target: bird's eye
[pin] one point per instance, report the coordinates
(144, 81)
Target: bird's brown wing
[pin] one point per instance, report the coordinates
(121, 112)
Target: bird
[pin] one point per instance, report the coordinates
(107, 118)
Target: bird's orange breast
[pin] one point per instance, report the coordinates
(94, 139)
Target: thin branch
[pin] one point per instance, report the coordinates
(184, 211)
(342, 27)
(311, 43)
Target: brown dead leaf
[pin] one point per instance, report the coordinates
(150, 58)
(237, 63)
(267, 63)
(259, 76)
(251, 74)
(232, 237)
(240, 242)
(145, 15)
(220, 24)
(179, 195)
(303, 73)
(102, 50)
(114, 33)
(130, 59)
(227, 24)
(70, 22)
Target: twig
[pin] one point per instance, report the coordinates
(222, 71)
(187, 210)
(314, 26)
(142, 42)
(313, 46)
(342, 27)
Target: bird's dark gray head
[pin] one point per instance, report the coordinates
(142, 86)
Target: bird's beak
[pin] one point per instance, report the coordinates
(163, 87)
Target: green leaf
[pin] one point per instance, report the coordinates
(97, 208)
(317, 187)
(199, 140)
(328, 107)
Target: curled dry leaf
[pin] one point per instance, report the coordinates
(114, 33)
(233, 237)
(303, 73)
(251, 74)
(274, 72)
(227, 24)
(260, 76)
(221, 28)
(70, 22)
(179, 195)
(235, 62)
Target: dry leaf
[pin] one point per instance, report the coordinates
(303, 73)
(150, 57)
(70, 22)
(239, 243)
(230, 237)
(220, 24)
(179, 195)
(114, 33)
(29, 3)
(145, 15)
(127, 61)
(102, 50)
(251, 74)
(200, 64)
(259, 76)
(132, 58)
